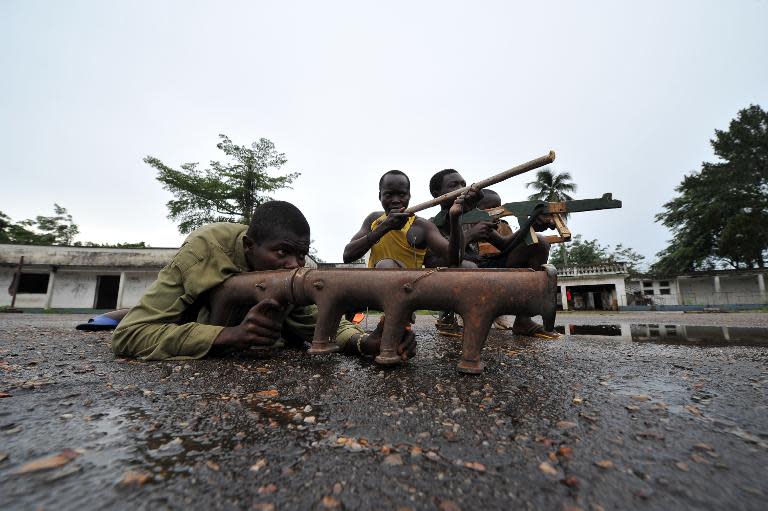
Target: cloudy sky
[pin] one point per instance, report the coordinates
(627, 93)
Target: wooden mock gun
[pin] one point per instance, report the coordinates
(554, 210)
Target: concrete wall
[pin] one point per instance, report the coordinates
(134, 285)
(23, 300)
(655, 287)
(6, 274)
(73, 289)
(617, 281)
(726, 290)
(76, 288)
(86, 256)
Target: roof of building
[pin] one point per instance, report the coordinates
(84, 257)
(47, 255)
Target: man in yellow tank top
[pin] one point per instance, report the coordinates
(396, 239)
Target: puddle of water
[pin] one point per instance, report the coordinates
(606, 330)
(688, 335)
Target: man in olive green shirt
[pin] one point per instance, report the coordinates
(170, 321)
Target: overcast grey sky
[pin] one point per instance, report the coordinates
(627, 93)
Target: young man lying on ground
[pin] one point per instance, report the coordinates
(400, 240)
(171, 319)
(521, 256)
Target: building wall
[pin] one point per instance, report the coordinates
(76, 289)
(616, 280)
(73, 289)
(86, 256)
(653, 290)
(134, 285)
(6, 274)
(734, 289)
(23, 300)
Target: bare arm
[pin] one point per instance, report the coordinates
(365, 238)
(435, 241)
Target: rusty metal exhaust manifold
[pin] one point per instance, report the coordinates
(478, 295)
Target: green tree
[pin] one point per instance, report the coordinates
(578, 252)
(59, 229)
(585, 252)
(225, 192)
(720, 215)
(139, 244)
(551, 186)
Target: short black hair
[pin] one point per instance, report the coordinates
(437, 181)
(488, 196)
(394, 172)
(274, 218)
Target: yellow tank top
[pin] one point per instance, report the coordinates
(394, 245)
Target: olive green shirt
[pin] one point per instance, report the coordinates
(170, 323)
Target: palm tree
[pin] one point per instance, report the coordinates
(552, 187)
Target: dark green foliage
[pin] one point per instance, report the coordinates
(225, 192)
(59, 229)
(720, 215)
(587, 252)
(139, 244)
(551, 187)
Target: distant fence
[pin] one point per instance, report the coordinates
(686, 300)
(592, 269)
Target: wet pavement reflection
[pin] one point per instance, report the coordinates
(612, 416)
(690, 335)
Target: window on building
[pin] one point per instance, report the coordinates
(647, 283)
(664, 283)
(648, 291)
(664, 291)
(33, 283)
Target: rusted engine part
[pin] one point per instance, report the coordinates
(478, 295)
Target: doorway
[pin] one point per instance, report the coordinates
(107, 287)
(594, 297)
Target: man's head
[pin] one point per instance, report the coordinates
(445, 181)
(490, 200)
(394, 190)
(278, 237)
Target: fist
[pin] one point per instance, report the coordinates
(260, 327)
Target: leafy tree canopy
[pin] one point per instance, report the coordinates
(226, 191)
(586, 252)
(58, 229)
(551, 186)
(139, 244)
(720, 215)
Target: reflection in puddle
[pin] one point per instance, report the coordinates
(611, 330)
(673, 334)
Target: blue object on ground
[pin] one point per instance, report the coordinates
(100, 322)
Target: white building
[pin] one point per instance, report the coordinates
(714, 288)
(592, 287)
(55, 277)
(79, 277)
(610, 287)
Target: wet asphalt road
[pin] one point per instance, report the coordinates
(576, 423)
